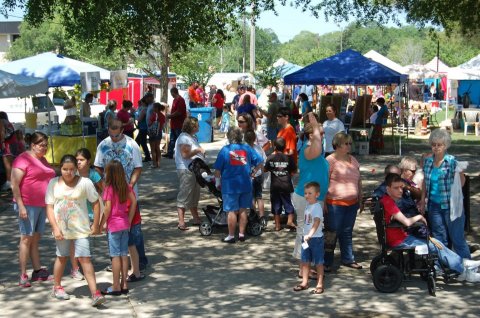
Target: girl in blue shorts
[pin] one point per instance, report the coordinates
(120, 204)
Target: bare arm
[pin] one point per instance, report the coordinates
(133, 206)
(57, 233)
(400, 217)
(315, 148)
(316, 224)
(106, 213)
(187, 152)
(16, 178)
(96, 218)
(135, 176)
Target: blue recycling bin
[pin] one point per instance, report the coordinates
(206, 118)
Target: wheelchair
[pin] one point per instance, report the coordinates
(394, 265)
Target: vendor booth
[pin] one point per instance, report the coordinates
(348, 68)
(58, 71)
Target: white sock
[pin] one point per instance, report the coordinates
(241, 235)
(229, 238)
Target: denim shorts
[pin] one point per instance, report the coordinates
(257, 184)
(35, 221)
(279, 200)
(82, 247)
(315, 252)
(233, 202)
(118, 243)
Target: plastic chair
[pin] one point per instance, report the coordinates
(470, 119)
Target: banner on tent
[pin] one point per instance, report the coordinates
(90, 81)
(118, 79)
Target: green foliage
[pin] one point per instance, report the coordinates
(269, 77)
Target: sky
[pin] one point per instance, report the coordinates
(289, 22)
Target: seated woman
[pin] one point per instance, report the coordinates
(397, 237)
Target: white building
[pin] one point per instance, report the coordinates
(9, 32)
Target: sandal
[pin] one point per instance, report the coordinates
(182, 227)
(111, 292)
(133, 278)
(353, 265)
(197, 223)
(317, 290)
(300, 287)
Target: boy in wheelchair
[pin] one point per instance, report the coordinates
(398, 238)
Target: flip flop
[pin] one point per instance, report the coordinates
(317, 291)
(111, 292)
(182, 227)
(300, 287)
(132, 278)
(353, 265)
(125, 291)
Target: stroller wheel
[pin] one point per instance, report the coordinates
(205, 229)
(387, 278)
(255, 229)
(432, 285)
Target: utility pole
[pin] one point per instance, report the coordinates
(244, 40)
(252, 42)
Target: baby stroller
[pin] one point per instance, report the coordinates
(215, 214)
(391, 266)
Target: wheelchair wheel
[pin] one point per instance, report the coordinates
(387, 278)
(377, 261)
(432, 285)
(255, 228)
(205, 229)
(264, 222)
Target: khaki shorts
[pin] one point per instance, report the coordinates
(189, 192)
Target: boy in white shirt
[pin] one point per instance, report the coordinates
(313, 245)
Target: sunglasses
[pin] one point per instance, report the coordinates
(241, 121)
(280, 116)
(348, 144)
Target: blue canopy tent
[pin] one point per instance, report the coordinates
(57, 69)
(348, 67)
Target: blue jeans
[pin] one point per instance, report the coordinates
(446, 256)
(446, 231)
(174, 133)
(342, 219)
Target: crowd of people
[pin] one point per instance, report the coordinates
(264, 149)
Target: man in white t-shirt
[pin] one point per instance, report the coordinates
(118, 146)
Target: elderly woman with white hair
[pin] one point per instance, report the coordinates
(439, 170)
(233, 168)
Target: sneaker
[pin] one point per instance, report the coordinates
(98, 299)
(24, 281)
(468, 263)
(472, 276)
(41, 275)
(76, 274)
(60, 293)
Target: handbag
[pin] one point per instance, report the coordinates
(153, 127)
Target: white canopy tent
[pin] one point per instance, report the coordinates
(20, 86)
(379, 58)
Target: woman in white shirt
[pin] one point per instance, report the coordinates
(331, 126)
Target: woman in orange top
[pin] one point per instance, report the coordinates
(344, 198)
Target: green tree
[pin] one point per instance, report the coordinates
(306, 48)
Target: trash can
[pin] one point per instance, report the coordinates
(206, 117)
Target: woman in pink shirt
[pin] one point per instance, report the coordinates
(344, 198)
(30, 176)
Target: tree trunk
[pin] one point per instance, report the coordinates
(164, 63)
